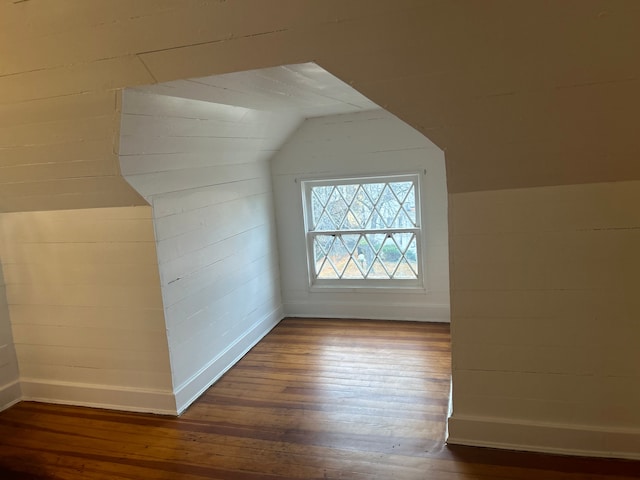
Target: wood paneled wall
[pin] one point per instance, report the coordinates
(367, 143)
(204, 169)
(60, 153)
(518, 94)
(86, 308)
(499, 85)
(10, 391)
(545, 322)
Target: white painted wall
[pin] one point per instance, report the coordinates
(545, 319)
(86, 308)
(203, 167)
(366, 143)
(10, 391)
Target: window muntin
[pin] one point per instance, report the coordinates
(363, 231)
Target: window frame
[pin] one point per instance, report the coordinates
(408, 285)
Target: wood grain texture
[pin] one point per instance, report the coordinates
(316, 399)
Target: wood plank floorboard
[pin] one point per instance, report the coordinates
(315, 399)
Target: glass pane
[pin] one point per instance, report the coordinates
(350, 242)
(327, 272)
(404, 270)
(375, 240)
(388, 207)
(412, 257)
(347, 192)
(352, 272)
(336, 208)
(338, 256)
(373, 190)
(377, 270)
(362, 208)
(409, 207)
(383, 206)
(390, 255)
(401, 189)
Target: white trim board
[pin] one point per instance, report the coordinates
(195, 386)
(10, 394)
(578, 440)
(99, 396)
(401, 312)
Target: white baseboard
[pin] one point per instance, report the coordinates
(580, 440)
(99, 396)
(198, 383)
(10, 394)
(328, 309)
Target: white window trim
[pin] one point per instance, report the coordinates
(361, 285)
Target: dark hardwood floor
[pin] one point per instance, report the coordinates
(316, 399)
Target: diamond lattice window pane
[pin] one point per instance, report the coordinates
(378, 271)
(327, 271)
(352, 271)
(409, 208)
(348, 212)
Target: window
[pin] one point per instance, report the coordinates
(363, 231)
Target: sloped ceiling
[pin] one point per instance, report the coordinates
(197, 125)
(305, 90)
(518, 93)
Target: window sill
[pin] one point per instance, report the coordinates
(392, 289)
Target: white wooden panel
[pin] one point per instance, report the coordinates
(9, 376)
(185, 276)
(194, 350)
(75, 15)
(140, 253)
(85, 301)
(198, 198)
(96, 358)
(164, 107)
(222, 281)
(89, 150)
(67, 186)
(138, 318)
(132, 145)
(305, 88)
(228, 220)
(359, 144)
(59, 131)
(213, 220)
(96, 229)
(137, 125)
(84, 105)
(155, 183)
(126, 197)
(84, 295)
(30, 173)
(546, 334)
(107, 74)
(102, 338)
(199, 261)
(104, 376)
(118, 274)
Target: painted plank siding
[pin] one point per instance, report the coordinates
(564, 99)
(86, 308)
(366, 143)
(546, 352)
(63, 149)
(214, 225)
(464, 73)
(10, 391)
